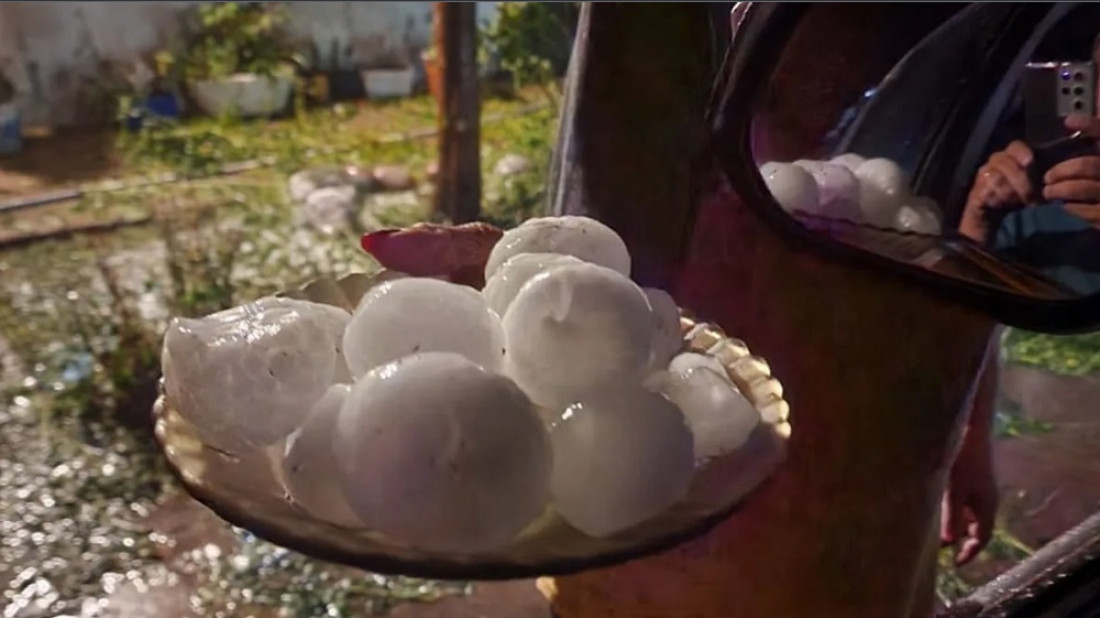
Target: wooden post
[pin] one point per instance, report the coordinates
(458, 187)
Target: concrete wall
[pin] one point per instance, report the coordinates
(65, 47)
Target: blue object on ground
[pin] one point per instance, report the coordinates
(11, 130)
(163, 105)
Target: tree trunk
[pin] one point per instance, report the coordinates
(458, 188)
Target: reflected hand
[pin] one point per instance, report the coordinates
(1002, 181)
(1077, 181)
(456, 253)
(969, 507)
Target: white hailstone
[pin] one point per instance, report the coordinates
(720, 417)
(582, 237)
(436, 452)
(309, 466)
(684, 363)
(920, 215)
(849, 160)
(838, 190)
(793, 187)
(501, 289)
(416, 314)
(575, 328)
(247, 377)
(667, 338)
(883, 188)
(620, 458)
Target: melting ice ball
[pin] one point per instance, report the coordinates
(309, 466)
(920, 215)
(247, 377)
(405, 316)
(684, 363)
(576, 328)
(667, 338)
(439, 453)
(620, 458)
(837, 189)
(883, 188)
(582, 237)
(501, 289)
(849, 160)
(793, 187)
(720, 417)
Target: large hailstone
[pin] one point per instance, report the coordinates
(247, 377)
(850, 160)
(791, 186)
(883, 188)
(501, 289)
(667, 338)
(577, 328)
(405, 316)
(309, 466)
(620, 458)
(437, 452)
(837, 189)
(720, 417)
(582, 237)
(920, 215)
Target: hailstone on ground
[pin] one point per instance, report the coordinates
(883, 188)
(582, 237)
(501, 289)
(791, 186)
(576, 328)
(437, 452)
(667, 338)
(309, 466)
(405, 316)
(720, 417)
(620, 458)
(248, 376)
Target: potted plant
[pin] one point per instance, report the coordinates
(388, 78)
(11, 126)
(238, 59)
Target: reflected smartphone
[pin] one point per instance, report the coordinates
(1052, 91)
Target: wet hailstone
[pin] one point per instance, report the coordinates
(685, 362)
(883, 188)
(574, 329)
(581, 237)
(721, 419)
(413, 315)
(791, 186)
(501, 289)
(667, 338)
(920, 215)
(620, 458)
(458, 459)
(247, 377)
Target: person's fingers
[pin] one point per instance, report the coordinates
(1084, 123)
(457, 253)
(992, 189)
(1088, 212)
(1013, 173)
(947, 520)
(1086, 191)
(1020, 153)
(1078, 168)
(981, 518)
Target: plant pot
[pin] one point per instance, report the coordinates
(11, 129)
(246, 94)
(433, 73)
(388, 83)
(345, 85)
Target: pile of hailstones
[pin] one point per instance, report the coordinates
(870, 191)
(449, 419)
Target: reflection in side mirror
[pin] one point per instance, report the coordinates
(851, 188)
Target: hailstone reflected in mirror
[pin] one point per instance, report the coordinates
(791, 186)
(406, 316)
(436, 452)
(248, 377)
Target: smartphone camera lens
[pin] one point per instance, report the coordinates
(1078, 76)
(1078, 91)
(1078, 105)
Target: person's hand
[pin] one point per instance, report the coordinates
(1076, 181)
(1003, 180)
(456, 253)
(969, 507)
